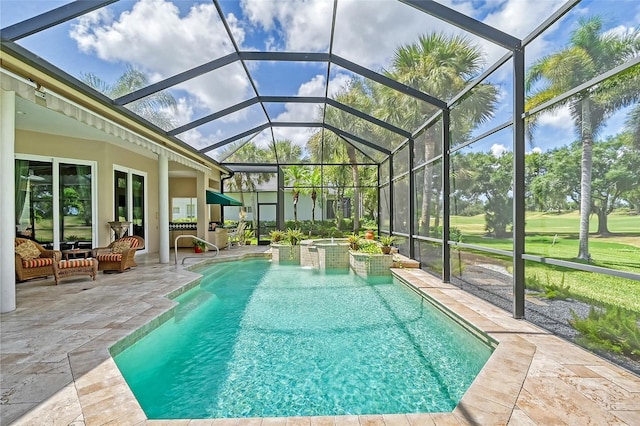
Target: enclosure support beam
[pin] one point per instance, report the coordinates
(446, 201)
(412, 201)
(280, 200)
(518, 183)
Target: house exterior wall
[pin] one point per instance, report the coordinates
(106, 156)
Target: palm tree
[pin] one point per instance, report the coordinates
(440, 65)
(295, 176)
(247, 182)
(152, 108)
(589, 54)
(357, 96)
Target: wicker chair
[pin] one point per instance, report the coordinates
(110, 261)
(38, 267)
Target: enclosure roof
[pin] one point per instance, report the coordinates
(232, 80)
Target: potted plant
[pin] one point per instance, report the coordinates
(248, 234)
(294, 236)
(353, 241)
(276, 236)
(386, 241)
(199, 246)
(369, 234)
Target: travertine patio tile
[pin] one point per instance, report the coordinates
(298, 421)
(250, 422)
(622, 378)
(61, 409)
(551, 381)
(347, 421)
(201, 422)
(395, 420)
(440, 419)
(225, 422)
(567, 402)
(519, 418)
(320, 421)
(605, 393)
(476, 409)
(376, 420)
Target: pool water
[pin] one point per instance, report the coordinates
(265, 340)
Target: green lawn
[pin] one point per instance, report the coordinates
(556, 236)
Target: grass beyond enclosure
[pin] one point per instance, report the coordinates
(556, 236)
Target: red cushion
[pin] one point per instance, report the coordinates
(34, 263)
(109, 257)
(75, 263)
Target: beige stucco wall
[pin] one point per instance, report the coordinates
(106, 155)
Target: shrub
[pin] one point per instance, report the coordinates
(369, 246)
(614, 329)
(549, 289)
(294, 236)
(276, 235)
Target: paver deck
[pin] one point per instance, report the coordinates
(55, 368)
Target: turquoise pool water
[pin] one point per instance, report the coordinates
(262, 340)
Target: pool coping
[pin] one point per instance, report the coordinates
(532, 377)
(474, 407)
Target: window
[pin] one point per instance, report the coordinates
(55, 201)
(130, 199)
(184, 209)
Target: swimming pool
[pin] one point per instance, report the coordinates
(257, 339)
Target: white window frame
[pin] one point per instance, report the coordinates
(55, 165)
(129, 171)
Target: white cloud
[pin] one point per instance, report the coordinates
(497, 149)
(155, 38)
(303, 112)
(303, 25)
(559, 119)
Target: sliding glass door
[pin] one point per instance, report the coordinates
(130, 200)
(54, 202)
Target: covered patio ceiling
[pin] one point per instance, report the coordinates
(242, 74)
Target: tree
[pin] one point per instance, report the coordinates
(589, 54)
(152, 108)
(295, 177)
(440, 65)
(243, 152)
(488, 180)
(615, 173)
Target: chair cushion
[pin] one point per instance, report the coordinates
(34, 263)
(75, 263)
(109, 257)
(120, 246)
(133, 241)
(27, 250)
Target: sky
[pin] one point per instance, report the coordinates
(164, 38)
